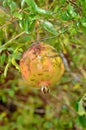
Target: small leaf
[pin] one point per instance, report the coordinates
(49, 27)
(32, 24)
(22, 3)
(12, 6)
(4, 98)
(3, 59)
(24, 24)
(36, 9)
(82, 120)
(81, 110)
(43, 12)
(27, 26)
(65, 16)
(21, 24)
(32, 4)
(83, 22)
(15, 64)
(5, 3)
(70, 9)
(11, 92)
(6, 69)
(17, 15)
(83, 29)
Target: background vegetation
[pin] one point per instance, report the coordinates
(62, 24)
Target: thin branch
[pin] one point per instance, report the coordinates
(75, 76)
(12, 19)
(8, 43)
(75, 4)
(66, 29)
(7, 23)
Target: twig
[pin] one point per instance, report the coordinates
(65, 62)
(7, 23)
(66, 29)
(64, 102)
(75, 77)
(12, 19)
(8, 43)
(74, 4)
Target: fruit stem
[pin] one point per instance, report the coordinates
(45, 89)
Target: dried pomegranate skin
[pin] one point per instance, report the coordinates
(41, 65)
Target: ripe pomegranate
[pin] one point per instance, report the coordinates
(41, 66)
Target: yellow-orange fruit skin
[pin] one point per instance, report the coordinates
(41, 65)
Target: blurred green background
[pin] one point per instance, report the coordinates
(62, 24)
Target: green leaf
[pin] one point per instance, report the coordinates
(21, 24)
(82, 120)
(49, 27)
(83, 29)
(71, 10)
(27, 26)
(6, 69)
(81, 110)
(3, 16)
(24, 24)
(32, 4)
(15, 64)
(66, 16)
(13, 6)
(43, 12)
(3, 59)
(4, 98)
(83, 3)
(11, 92)
(2, 13)
(62, 2)
(17, 15)
(22, 3)
(36, 9)
(83, 22)
(5, 3)
(32, 24)
(69, 13)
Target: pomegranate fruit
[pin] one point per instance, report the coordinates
(41, 65)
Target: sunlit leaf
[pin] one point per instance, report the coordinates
(6, 69)
(15, 64)
(32, 4)
(22, 3)
(83, 22)
(49, 27)
(43, 12)
(81, 110)
(27, 26)
(17, 15)
(12, 6)
(36, 9)
(71, 10)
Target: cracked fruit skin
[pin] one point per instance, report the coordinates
(41, 66)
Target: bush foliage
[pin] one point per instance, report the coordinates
(62, 24)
